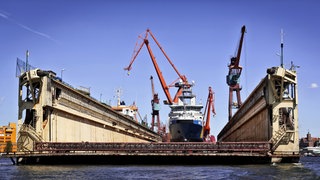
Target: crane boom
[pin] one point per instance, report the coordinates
(164, 85)
(182, 77)
(159, 73)
(135, 54)
(243, 30)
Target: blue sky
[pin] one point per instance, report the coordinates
(94, 40)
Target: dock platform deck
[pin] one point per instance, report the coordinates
(149, 153)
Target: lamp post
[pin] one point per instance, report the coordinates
(62, 73)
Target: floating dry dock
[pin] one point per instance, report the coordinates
(270, 114)
(59, 124)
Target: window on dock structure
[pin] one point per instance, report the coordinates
(31, 92)
(284, 90)
(58, 93)
(30, 117)
(290, 92)
(45, 116)
(286, 117)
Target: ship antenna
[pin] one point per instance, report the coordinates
(281, 56)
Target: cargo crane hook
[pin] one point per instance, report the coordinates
(164, 85)
(234, 76)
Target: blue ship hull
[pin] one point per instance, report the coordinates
(186, 130)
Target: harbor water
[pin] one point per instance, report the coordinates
(308, 168)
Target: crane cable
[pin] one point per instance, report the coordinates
(245, 67)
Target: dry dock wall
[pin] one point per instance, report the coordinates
(270, 113)
(250, 123)
(52, 111)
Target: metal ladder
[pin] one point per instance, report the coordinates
(277, 137)
(31, 132)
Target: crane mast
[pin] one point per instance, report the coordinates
(155, 104)
(164, 85)
(234, 75)
(208, 109)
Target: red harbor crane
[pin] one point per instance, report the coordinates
(233, 77)
(182, 84)
(155, 104)
(208, 109)
(164, 85)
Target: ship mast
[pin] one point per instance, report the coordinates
(281, 55)
(118, 93)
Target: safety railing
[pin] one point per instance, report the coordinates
(54, 147)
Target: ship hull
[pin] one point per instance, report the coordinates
(186, 130)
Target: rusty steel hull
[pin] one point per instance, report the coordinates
(149, 153)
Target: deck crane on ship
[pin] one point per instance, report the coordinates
(233, 77)
(185, 117)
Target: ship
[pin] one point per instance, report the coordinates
(186, 118)
(121, 107)
(186, 122)
(311, 151)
